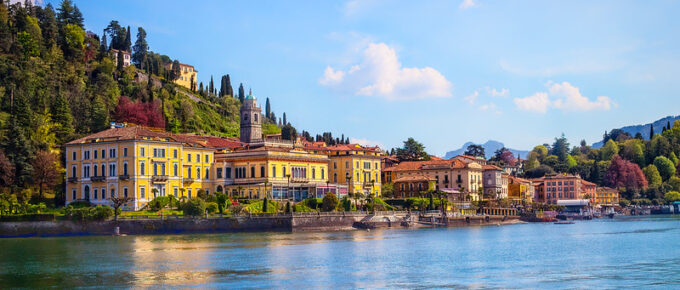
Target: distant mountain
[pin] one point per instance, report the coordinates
(644, 129)
(489, 148)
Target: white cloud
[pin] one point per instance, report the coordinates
(365, 142)
(564, 96)
(490, 107)
(380, 74)
(495, 93)
(466, 4)
(472, 97)
(537, 102)
(570, 98)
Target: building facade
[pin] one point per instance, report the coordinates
(353, 165)
(493, 181)
(463, 181)
(187, 77)
(127, 57)
(551, 188)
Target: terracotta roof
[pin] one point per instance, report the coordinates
(491, 167)
(430, 164)
(339, 147)
(436, 158)
(585, 182)
(414, 178)
(140, 133)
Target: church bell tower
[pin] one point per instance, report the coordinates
(251, 121)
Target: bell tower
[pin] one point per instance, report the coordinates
(251, 121)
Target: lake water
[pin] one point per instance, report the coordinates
(636, 252)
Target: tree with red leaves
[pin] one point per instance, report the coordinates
(140, 113)
(623, 173)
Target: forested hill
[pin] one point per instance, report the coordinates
(60, 82)
(644, 130)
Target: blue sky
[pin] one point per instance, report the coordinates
(443, 72)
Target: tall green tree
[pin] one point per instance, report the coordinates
(652, 175)
(241, 93)
(268, 109)
(223, 86)
(230, 89)
(665, 166)
(19, 152)
(141, 48)
(609, 149)
(561, 148)
(475, 150)
(211, 86)
(412, 151)
(128, 40)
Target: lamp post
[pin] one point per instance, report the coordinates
(288, 189)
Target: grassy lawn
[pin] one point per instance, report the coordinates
(151, 213)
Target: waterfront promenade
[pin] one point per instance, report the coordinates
(624, 252)
(313, 221)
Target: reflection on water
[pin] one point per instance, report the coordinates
(623, 252)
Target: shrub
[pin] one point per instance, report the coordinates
(79, 204)
(672, 196)
(159, 203)
(312, 203)
(347, 204)
(221, 200)
(301, 207)
(329, 202)
(89, 213)
(194, 207)
(256, 207)
(381, 205)
(211, 207)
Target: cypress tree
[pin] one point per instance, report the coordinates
(241, 93)
(100, 115)
(284, 118)
(128, 40)
(119, 63)
(230, 89)
(651, 131)
(223, 86)
(211, 87)
(268, 110)
(103, 47)
(141, 48)
(668, 125)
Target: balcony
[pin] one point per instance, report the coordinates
(299, 180)
(72, 179)
(97, 178)
(159, 178)
(188, 180)
(124, 177)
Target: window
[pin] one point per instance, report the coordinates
(125, 168)
(103, 154)
(95, 154)
(73, 194)
(175, 168)
(86, 171)
(189, 192)
(142, 192)
(255, 117)
(262, 171)
(367, 165)
(198, 172)
(335, 165)
(141, 151)
(188, 157)
(346, 164)
(86, 156)
(112, 169)
(274, 171)
(112, 153)
(335, 177)
(74, 155)
(189, 172)
(207, 158)
(198, 157)
(113, 192)
(357, 164)
(73, 171)
(219, 173)
(174, 153)
(103, 169)
(228, 173)
(323, 176)
(103, 193)
(175, 191)
(125, 192)
(141, 168)
(207, 173)
(284, 172)
(94, 193)
(95, 170)
(313, 173)
(125, 152)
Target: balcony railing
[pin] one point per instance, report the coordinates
(97, 178)
(159, 178)
(188, 180)
(124, 177)
(299, 179)
(72, 179)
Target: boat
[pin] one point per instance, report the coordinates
(564, 223)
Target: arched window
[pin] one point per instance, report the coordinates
(86, 194)
(255, 117)
(113, 192)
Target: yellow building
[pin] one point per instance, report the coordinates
(354, 165)
(606, 196)
(520, 190)
(137, 162)
(187, 77)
